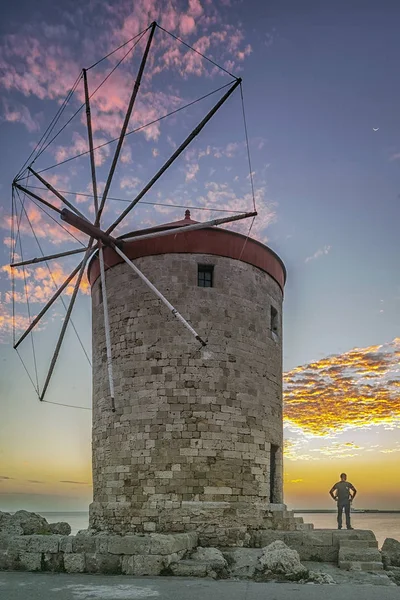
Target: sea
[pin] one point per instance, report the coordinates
(383, 525)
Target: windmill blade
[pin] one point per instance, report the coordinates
(107, 329)
(125, 125)
(186, 228)
(66, 320)
(49, 257)
(175, 155)
(160, 296)
(56, 192)
(52, 300)
(90, 139)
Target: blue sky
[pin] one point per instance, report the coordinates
(318, 78)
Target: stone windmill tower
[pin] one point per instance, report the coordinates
(187, 428)
(196, 440)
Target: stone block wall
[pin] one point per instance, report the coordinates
(86, 553)
(191, 425)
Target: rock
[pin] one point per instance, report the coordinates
(30, 561)
(314, 577)
(60, 528)
(189, 568)
(23, 523)
(278, 559)
(391, 552)
(31, 523)
(74, 563)
(242, 562)
(212, 556)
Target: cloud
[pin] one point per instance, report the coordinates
(130, 183)
(19, 113)
(357, 389)
(4, 478)
(75, 482)
(318, 253)
(191, 171)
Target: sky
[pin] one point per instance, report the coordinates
(321, 97)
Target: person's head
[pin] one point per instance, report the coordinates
(343, 476)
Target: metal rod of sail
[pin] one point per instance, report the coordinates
(175, 155)
(26, 191)
(101, 257)
(126, 122)
(90, 139)
(186, 228)
(66, 320)
(49, 257)
(159, 295)
(107, 329)
(56, 192)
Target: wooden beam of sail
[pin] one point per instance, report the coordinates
(186, 228)
(125, 125)
(66, 320)
(107, 329)
(175, 155)
(49, 257)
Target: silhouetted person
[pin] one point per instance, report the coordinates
(343, 497)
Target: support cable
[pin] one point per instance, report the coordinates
(56, 287)
(33, 187)
(248, 148)
(137, 129)
(51, 125)
(197, 52)
(141, 33)
(28, 307)
(84, 104)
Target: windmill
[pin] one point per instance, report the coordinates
(94, 233)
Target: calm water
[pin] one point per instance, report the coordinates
(383, 525)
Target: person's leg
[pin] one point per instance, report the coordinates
(339, 515)
(347, 512)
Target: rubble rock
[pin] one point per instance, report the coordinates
(212, 556)
(23, 523)
(278, 559)
(325, 578)
(391, 553)
(60, 528)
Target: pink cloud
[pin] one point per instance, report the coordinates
(19, 113)
(186, 24)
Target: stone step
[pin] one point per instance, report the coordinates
(357, 565)
(359, 558)
(304, 527)
(358, 543)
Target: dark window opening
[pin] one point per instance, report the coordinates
(99, 294)
(274, 320)
(272, 474)
(205, 275)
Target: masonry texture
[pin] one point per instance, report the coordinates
(197, 431)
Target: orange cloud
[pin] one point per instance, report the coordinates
(359, 388)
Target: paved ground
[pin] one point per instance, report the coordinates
(49, 586)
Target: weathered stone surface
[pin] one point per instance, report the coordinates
(53, 562)
(264, 538)
(60, 528)
(65, 544)
(189, 568)
(320, 578)
(74, 563)
(30, 561)
(43, 543)
(151, 543)
(212, 556)
(278, 559)
(84, 541)
(109, 564)
(242, 562)
(391, 552)
(352, 534)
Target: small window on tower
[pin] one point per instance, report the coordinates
(274, 321)
(205, 275)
